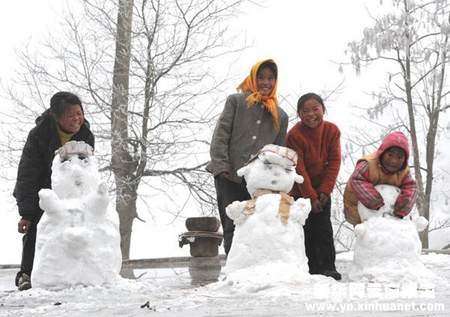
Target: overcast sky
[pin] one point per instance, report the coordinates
(303, 37)
(19, 22)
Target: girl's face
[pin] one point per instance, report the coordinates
(311, 113)
(393, 159)
(265, 79)
(72, 119)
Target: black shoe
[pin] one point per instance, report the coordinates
(332, 273)
(24, 282)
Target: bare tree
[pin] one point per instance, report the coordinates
(414, 37)
(144, 70)
(126, 184)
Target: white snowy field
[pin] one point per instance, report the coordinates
(169, 293)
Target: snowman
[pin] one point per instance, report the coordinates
(388, 248)
(78, 240)
(268, 242)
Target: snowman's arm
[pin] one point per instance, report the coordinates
(50, 202)
(99, 198)
(235, 211)
(300, 210)
(363, 188)
(407, 198)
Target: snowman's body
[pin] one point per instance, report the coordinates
(268, 237)
(263, 242)
(387, 248)
(78, 240)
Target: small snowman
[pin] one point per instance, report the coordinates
(388, 248)
(78, 240)
(268, 238)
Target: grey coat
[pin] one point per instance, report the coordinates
(241, 132)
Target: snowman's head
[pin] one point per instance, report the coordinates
(273, 167)
(74, 171)
(389, 194)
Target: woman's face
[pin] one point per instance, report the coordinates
(311, 113)
(265, 79)
(72, 119)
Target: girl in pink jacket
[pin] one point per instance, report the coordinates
(388, 165)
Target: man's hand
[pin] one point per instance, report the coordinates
(24, 226)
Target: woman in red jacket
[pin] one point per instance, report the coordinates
(317, 143)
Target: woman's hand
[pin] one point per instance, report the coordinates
(24, 226)
(224, 175)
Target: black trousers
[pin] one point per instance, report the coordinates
(319, 241)
(227, 192)
(28, 249)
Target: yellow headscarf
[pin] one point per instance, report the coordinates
(250, 84)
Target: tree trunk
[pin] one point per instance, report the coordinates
(418, 44)
(122, 163)
(422, 202)
(126, 208)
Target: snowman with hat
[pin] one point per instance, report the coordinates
(78, 239)
(269, 238)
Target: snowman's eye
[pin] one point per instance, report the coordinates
(288, 170)
(81, 156)
(64, 159)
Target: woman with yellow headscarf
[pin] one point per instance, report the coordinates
(250, 120)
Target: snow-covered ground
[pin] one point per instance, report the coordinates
(169, 292)
(267, 275)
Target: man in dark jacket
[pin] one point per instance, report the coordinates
(64, 121)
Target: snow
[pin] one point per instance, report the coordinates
(265, 249)
(78, 240)
(270, 170)
(265, 275)
(170, 290)
(170, 293)
(389, 194)
(387, 248)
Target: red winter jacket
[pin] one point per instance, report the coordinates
(319, 158)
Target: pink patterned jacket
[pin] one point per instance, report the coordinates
(370, 172)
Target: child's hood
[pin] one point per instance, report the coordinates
(394, 139)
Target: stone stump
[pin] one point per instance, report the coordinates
(203, 238)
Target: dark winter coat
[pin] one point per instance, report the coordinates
(35, 165)
(241, 132)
